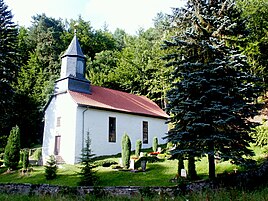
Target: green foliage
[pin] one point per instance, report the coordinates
(140, 69)
(126, 150)
(41, 45)
(88, 176)
(213, 94)
(51, 168)
(25, 159)
(159, 172)
(260, 134)
(12, 150)
(91, 41)
(8, 70)
(254, 12)
(37, 154)
(105, 163)
(138, 148)
(169, 145)
(155, 144)
(147, 192)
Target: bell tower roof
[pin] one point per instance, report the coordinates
(73, 67)
(74, 49)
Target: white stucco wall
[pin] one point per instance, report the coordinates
(60, 106)
(77, 121)
(96, 123)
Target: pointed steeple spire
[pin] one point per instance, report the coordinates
(74, 49)
(72, 76)
(73, 61)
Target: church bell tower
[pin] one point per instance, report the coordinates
(72, 76)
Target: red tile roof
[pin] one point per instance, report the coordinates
(104, 98)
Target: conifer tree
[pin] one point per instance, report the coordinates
(51, 168)
(25, 159)
(126, 150)
(8, 67)
(138, 148)
(155, 144)
(12, 149)
(213, 94)
(88, 176)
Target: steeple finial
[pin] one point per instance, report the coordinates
(75, 27)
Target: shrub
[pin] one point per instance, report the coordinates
(138, 148)
(51, 168)
(169, 145)
(126, 150)
(105, 163)
(154, 159)
(137, 163)
(12, 149)
(25, 159)
(87, 176)
(37, 154)
(260, 134)
(155, 144)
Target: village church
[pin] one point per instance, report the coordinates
(78, 108)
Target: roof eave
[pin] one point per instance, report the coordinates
(122, 111)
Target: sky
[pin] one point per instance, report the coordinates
(129, 15)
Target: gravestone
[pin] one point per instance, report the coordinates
(132, 164)
(143, 165)
(183, 173)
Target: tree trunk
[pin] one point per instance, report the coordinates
(191, 168)
(180, 165)
(211, 162)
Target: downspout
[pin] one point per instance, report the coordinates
(83, 127)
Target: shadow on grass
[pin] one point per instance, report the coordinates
(3, 170)
(37, 176)
(155, 175)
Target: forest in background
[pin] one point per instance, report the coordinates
(31, 59)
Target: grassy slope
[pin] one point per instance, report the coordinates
(157, 174)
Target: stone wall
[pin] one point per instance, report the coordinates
(45, 189)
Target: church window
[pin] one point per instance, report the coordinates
(112, 129)
(58, 121)
(145, 132)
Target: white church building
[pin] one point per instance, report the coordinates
(78, 108)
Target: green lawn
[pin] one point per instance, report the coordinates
(156, 174)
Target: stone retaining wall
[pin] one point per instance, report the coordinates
(45, 189)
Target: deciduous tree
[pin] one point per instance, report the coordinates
(255, 47)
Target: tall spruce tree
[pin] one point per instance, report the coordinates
(212, 94)
(8, 67)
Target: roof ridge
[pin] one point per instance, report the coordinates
(111, 99)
